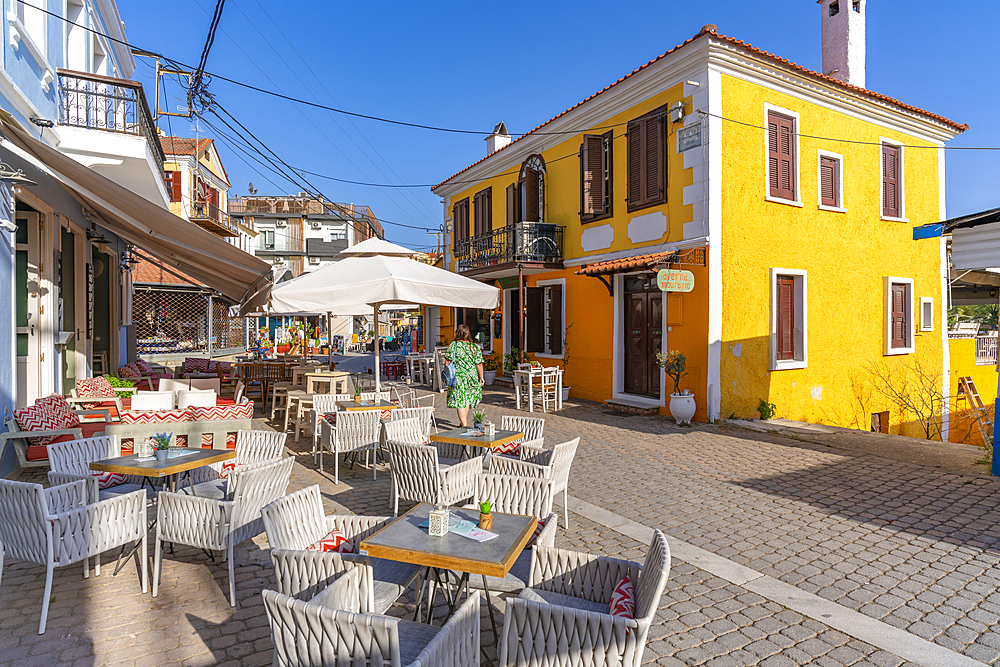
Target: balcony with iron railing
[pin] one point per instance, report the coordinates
(534, 242)
(210, 217)
(108, 104)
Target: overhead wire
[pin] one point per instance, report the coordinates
(199, 74)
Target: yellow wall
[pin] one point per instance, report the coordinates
(962, 419)
(846, 256)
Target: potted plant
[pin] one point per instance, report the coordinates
(486, 515)
(565, 388)
(161, 445)
(682, 406)
(510, 361)
(490, 366)
(357, 394)
(477, 418)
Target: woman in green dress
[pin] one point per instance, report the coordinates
(468, 359)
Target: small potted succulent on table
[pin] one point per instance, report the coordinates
(357, 394)
(161, 445)
(477, 418)
(486, 515)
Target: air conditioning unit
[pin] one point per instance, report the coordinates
(280, 223)
(316, 224)
(314, 260)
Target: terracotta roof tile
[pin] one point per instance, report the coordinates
(153, 274)
(183, 145)
(711, 30)
(624, 264)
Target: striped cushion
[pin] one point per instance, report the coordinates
(129, 371)
(623, 599)
(95, 387)
(221, 413)
(143, 366)
(105, 480)
(509, 448)
(335, 541)
(48, 413)
(329, 418)
(534, 536)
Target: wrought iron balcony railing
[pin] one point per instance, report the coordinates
(523, 242)
(210, 216)
(108, 104)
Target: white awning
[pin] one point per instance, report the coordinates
(171, 239)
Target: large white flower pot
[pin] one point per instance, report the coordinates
(682, 407)
(565, 394)
(489, 377)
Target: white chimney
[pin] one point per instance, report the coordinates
(843, 24)
(498, 139)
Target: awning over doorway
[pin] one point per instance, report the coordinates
(172, 240)
(689, 256)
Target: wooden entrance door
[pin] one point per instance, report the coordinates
(643, 336)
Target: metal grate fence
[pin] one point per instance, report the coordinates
(173, 321)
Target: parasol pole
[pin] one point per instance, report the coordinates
(377, 374)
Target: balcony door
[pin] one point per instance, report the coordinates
(73, 307)
(27, 283)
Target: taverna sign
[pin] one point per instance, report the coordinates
(675, 280)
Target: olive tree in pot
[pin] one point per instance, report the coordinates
(682, 405)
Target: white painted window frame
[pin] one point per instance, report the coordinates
(37, 50)
(926, 323)
(820, 154)
(549, 283)
(902, 180)
(887, 349)
(794, 115)
(800, 327)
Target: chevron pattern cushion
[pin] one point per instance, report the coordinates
(221, 412)
(510, 448)
(95, 387)
(143, 366)
(155, 417)
(48, 413)
(623, 599)
(335, 541)
(195, 365)
(534, 535)
(329, 418)
(105, 480)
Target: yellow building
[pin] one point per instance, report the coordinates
(790, 196)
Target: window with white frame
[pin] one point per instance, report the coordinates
(926, 313)
(830, 178)
(789, 331)
(898, 315)
(32, 18)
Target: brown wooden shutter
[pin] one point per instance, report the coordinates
(898, 316)
(592, 178)
(477, 213)
(555, 319)
(786, 318)
(529, 193)
(781, 156)
(646, 161)
(828, 168)
(633, 141)
(172, 180)
(213, 202)
(535, 300)
(460, 222)
(890, 181)
(512, 204)
(488, 211)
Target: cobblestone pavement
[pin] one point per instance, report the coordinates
(911, 546)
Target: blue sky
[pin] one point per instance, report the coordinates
(469, 65)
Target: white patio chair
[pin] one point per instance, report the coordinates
(196, 398)
(56, 527)
(409, 431)
(152, 400)
(175, 385)
(504, 465)
(338, 628)
(517, 495)
(560, 458)
(375, 396)
(324, 404)
(425, 415)
(253, 448)
(206, 384)
(357, 431)
(219, 525)
(417, 476)
(297, 520)
(70, 462)
(532, 427)
(568, 596)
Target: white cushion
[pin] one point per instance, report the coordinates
(195, 399)
(153, 400)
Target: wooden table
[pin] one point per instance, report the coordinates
(456, 436)
(405, 541)
(197, 458)
(529, 378)
(351, 406)
(335, 381)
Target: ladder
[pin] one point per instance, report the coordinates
(967, 388)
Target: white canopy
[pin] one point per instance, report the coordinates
(377, 246)
(376, 281)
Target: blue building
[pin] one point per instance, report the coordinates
(74, 125)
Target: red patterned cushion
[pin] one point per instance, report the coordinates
(509, 448)
(227, 467)
(95, 387)
(386, 414)
(49, 413)
(155, 416)
(329, 418)
(105, 480)
(534, 536)
(195, 365)
(623, 599)
(335, 541)
(142, 366)
(217, 412)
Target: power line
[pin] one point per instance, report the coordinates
(196, 83)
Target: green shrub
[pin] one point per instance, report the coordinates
(766, 409)
(120, 382)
